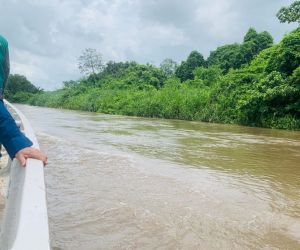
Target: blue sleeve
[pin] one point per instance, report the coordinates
(10, 135)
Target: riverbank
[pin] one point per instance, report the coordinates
(262, 91)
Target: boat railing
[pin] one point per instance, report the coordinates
(25, 219)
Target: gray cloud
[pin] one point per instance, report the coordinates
(47, 36)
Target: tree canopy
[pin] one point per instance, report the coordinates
(233, 56)
(90, 62)
(185, 70)
(290, 14)
(168, 66)
(19, 89)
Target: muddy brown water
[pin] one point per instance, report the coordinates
(116, 182)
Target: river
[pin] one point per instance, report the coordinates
(116, 182)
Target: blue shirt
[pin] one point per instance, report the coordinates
(10, 135)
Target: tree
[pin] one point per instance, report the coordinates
(209, 76)
(271, 96)
(253, 44)
(290, 14)
(90, 62)
(194, 60)
(226, 57)
(185, 70)
(181, 71)
(115, 69)
(69, 84)
(143, 76)
(18, 83)
(235, 55)
(168, 66)
(286, 56)
(260, 41)
(264, 40)
(250, 35)
(19, 89)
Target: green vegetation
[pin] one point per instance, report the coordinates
(233, 56)
(19, 89)
(254, 83)
(290, 14)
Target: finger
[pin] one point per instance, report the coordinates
(22, 160)
(36, 154)
(45, 161)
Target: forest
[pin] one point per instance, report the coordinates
(253, 83)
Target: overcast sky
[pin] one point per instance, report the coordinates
(47, 36)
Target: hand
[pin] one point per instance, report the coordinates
(30, 152)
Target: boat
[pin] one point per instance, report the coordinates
(25, 218)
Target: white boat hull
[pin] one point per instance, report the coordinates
(25, 222)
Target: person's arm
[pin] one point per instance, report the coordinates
(10, 135)
(15, 142)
